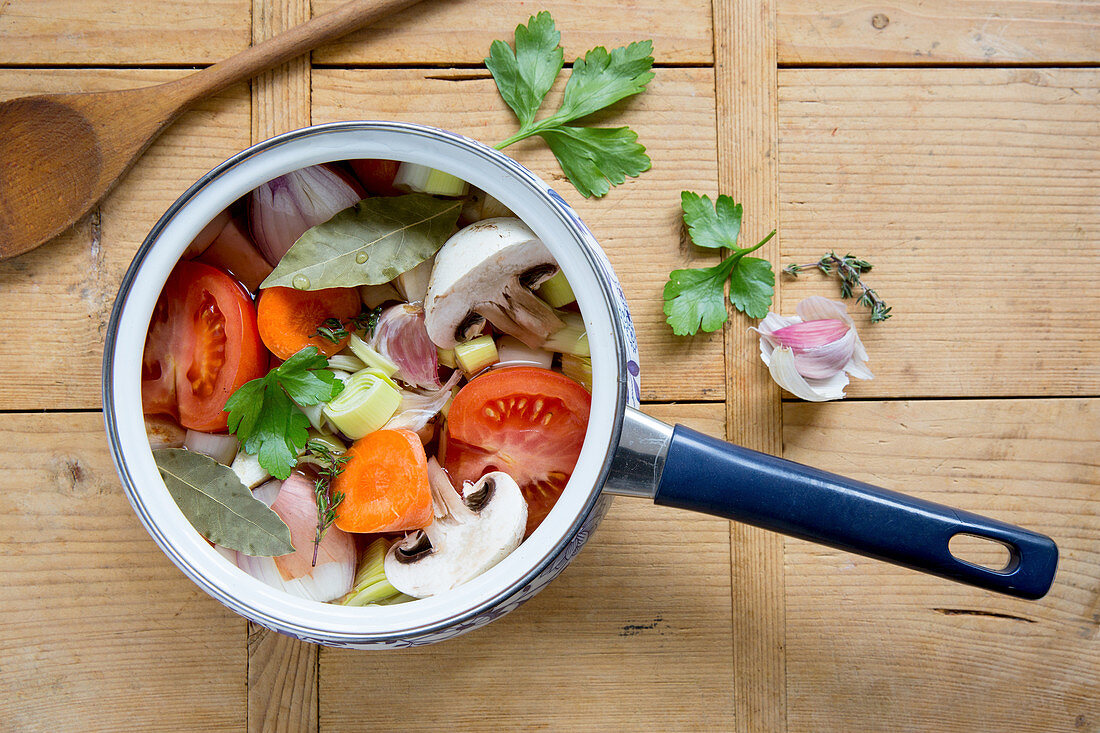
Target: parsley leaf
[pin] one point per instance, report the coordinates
(265, 415)
(695, 298)
(594, 159)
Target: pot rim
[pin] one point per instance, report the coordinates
(499, 169)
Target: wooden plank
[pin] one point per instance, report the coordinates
(638, 223)
(634, 634)
(94, 32)
(63, 291)
(282, 672)
(938, 31)
(459, 32)
(974, 194)
(100, 630)
(745, 93)
(874, 647)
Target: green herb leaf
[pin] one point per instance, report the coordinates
(711, 224)
(694, 298)
(594, 159)
(526, 75)
(752, 285)
(219, 506)
(600, 79)
(265, 416)
(369, 243)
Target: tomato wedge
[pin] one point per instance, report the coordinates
(526, 421)
(202, 345)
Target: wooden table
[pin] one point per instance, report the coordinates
(954, 143)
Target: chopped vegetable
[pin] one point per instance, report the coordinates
(365, 405)
(295, 503)
(571, 338)
(594, 159)
(218, 506)
(202, 345)
(556, 291)
(577, 368)
(234, 252)
(400, 337)
(371, 585)
(488, 271)
(446, 357)
(283, 209)
(476, 354)
(422, 179)
(376, 175)
(222, 448)
(366, 353)
(514, 352)
(418, 409)
(208, 234)
(385, 484)
(471, 534)
(413, 284)
(368, 244)
(480, 205)
(289, 319)
(248, 470)
(695, 298)
(163, 432)
(265, 413)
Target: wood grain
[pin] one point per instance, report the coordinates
(938, 31)
(282, 672)
(445, 32)
(875, 647)
(64, 290)
(975, 195)
(633, 635)
(745, 93)
(91, 32)
(99, 630)
(638, 224)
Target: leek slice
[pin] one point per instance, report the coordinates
(370, 584)
(422, 179)
(370, 357)
(571, 339)
(577, 368)
(556, 291)
(476, 354)
(366, 404)
(346, 363)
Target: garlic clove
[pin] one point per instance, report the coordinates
(784, 371)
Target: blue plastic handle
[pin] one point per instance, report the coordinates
(707, 475)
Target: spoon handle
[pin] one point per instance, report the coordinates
(285, 46)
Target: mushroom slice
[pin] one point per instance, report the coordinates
(488, 270)
(471, 534)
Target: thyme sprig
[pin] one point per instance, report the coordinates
(332, 465)
(368, 321)
(849, 269)
(332, 330)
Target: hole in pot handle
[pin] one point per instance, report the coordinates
(682, 468)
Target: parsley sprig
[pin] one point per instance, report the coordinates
(849, 269)
(695, 298)
(593, 158)
(265, 415)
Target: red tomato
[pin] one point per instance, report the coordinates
(377, 176)
(201, 347)
(526, 421)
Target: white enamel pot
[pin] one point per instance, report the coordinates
(624, 451)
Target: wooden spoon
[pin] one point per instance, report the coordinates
(61, 153)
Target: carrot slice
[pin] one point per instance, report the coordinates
(385, 484)
(288, 318)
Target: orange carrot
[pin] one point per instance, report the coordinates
(288, 319)
(385, 484)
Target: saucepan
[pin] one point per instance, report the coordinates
(624, 451)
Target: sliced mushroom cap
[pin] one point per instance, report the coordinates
(488, 270)
(473, 534)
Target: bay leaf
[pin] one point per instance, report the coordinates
(219, 506)
(369, 243)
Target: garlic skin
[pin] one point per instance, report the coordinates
(812, 354)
